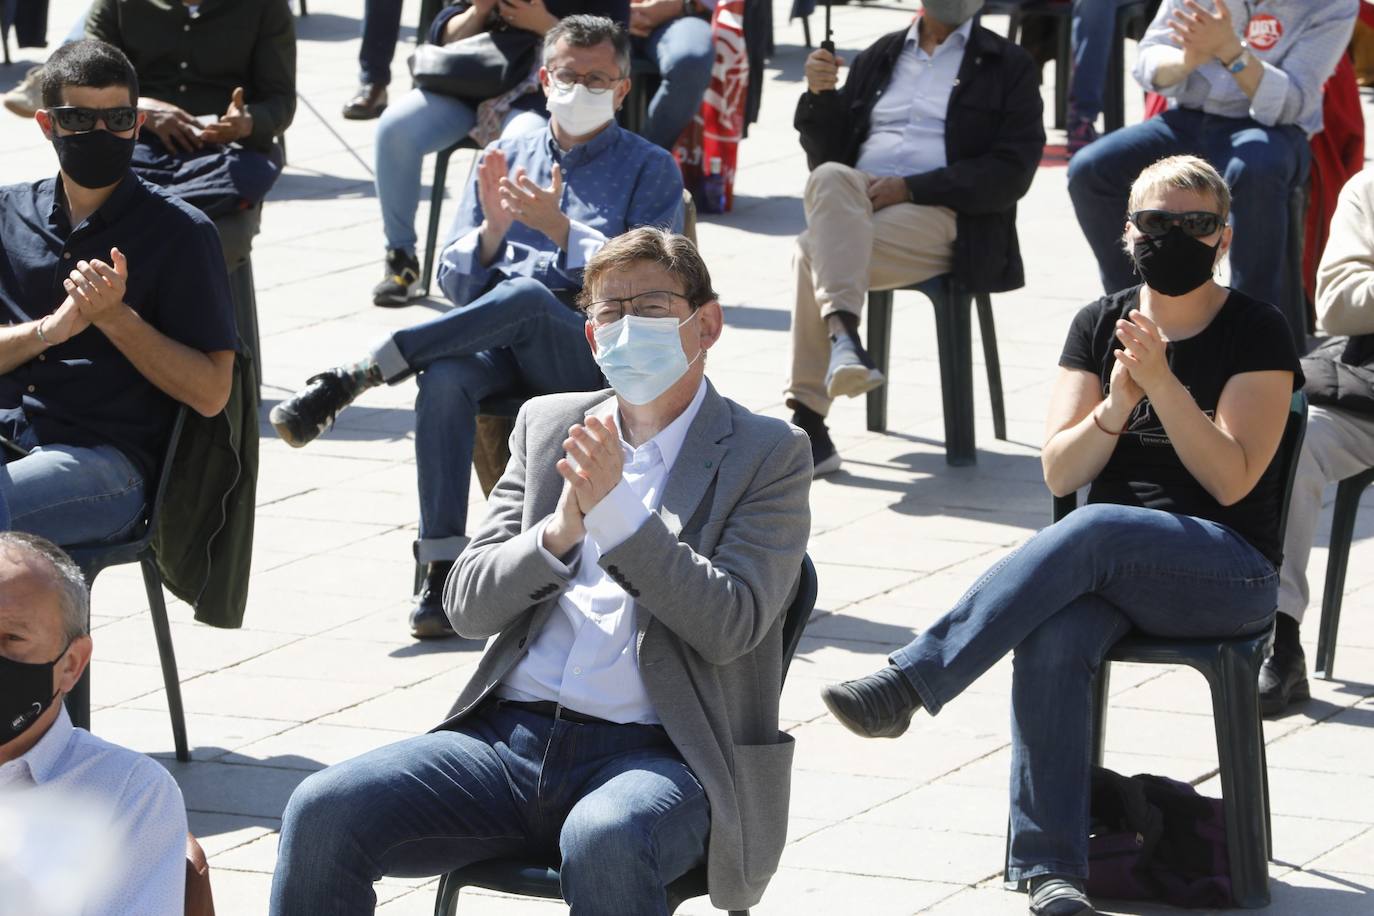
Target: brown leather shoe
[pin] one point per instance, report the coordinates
(369, 103)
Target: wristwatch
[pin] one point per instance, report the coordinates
(1241, 59)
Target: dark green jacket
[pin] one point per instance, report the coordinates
(195, 62)
(204, 539)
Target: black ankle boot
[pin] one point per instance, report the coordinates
(427, 619)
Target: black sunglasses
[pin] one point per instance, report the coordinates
(1197, 223)
(71, 117)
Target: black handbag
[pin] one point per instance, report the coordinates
(478, 67)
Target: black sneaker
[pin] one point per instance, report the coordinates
(427, 618)
(307, 413)
(402, 280)
(877, 706)
(824, 458)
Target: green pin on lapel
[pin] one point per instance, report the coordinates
(708, 464)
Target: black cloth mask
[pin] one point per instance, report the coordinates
(25, 694)
(1174, 263)
(95, 159)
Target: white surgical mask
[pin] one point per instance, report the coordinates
(579, 110)
(642, 357)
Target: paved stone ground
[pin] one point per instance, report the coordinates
(324, 668)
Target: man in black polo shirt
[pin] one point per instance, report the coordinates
(117, 305)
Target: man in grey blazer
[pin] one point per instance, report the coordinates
(631, 577)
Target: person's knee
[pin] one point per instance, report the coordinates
(1259, 158)
(525, 297)
(829, 175)
(318, 808)
(446, 389)
(598, 840)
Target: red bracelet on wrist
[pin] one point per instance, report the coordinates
(1105, 429)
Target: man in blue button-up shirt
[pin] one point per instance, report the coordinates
(539, 206)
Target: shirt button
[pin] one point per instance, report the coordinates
(184, 65)
(32, 389)
(186, 28)
(577, 671)
(42, 358)
(66, 255)
(181, 88)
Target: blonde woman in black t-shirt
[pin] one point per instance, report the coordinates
(1171, 401)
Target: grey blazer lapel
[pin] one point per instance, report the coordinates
(698, 462)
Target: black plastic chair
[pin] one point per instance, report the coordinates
(1231, 667)
(1130, 18)
(954, 336)
(1348, 493)
(436, 203)
(92, 558)
(528, 879)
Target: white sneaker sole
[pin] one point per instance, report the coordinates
(852, 380)
(828, 465)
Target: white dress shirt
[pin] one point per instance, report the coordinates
(906, 132)
(90, 828)
(585, 658)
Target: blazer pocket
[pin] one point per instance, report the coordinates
(763, 786)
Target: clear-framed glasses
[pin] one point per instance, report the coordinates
(654, 303)
(564, 79)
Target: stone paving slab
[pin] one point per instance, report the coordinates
(323, 668)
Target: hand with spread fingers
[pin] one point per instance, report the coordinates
(596, 463)
(539, 208)
(491, 169)
(1146, 351)
(1204, 35)
(97, 288)
(235, 124)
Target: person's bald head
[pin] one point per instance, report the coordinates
(44, 602)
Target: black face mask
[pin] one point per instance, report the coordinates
(25, 694)
(95, 159)
(1174, 263)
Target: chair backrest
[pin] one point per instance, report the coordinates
(1290, 447)
(798, 613)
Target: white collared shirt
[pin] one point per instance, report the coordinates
(906, 133)
(100, 830)
(585, 658)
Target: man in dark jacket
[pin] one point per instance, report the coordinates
(918, 162)
(1340, 425)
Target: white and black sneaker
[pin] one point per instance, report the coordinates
(851, 372)
(824, 458)
(402, 280)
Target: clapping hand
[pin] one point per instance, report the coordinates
(1204, 35)
(235, 124)
(491, 171)
(594, 464)
(98, 288)
(1146, 352)
(539, 208)
(529, 15)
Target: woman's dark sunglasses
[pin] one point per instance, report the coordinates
(70, 117)
(1197, 223)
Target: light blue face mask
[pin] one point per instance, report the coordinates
(642, 357)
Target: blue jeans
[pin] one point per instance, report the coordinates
(413, 126)
(1061, 601)
(518, 338)
(381, 29)
(684, 52)
(614, 804)
(1093, 23)
(1260, 164)
(70, 494)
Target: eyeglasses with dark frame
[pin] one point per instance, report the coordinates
(1196, 223)
(653, 303)
(564, 79)
(80, 120)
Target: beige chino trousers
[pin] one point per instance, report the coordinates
(846, 250)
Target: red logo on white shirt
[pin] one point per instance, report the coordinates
(1263, 32)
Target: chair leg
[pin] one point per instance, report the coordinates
(1063, 66)
(166, 654)
(1295, 306)
(436, 206)
(1338, 558)
(1102, 688)
(1114, 95)
(988, 331)
(879, 346)
(446, 899)
(954, 336)
(1240, 753)
(79, 699)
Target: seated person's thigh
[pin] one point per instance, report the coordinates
(72, 494)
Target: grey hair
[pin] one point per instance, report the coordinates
(73, 597)
(674, 253)
(584, 31)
